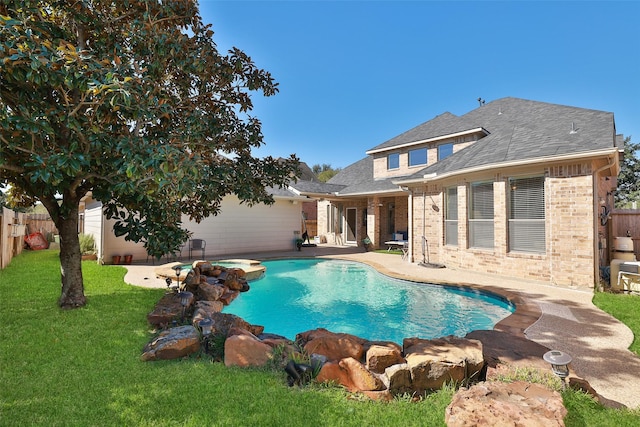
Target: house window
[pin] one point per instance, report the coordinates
(393, 161)
(451, 217)
(445, 150)
(418, 157)
(527, 214)
(481, 215)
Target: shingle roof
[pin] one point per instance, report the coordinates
(317, 187)
(357, 178)
(444, 124)
(518, 129)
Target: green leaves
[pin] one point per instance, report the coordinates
(133, 101)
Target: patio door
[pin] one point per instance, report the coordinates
(351, 225)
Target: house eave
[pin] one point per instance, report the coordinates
(369, 193)
(428, 140)
(547, 159)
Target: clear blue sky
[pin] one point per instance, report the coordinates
(354, 74)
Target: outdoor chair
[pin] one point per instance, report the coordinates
(196, 245)
(405, 250)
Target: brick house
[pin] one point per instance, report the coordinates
(515, 187)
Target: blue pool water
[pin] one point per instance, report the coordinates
(298, 295)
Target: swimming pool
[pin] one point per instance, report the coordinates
(298, 295)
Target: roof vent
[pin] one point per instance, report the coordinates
(574, 129)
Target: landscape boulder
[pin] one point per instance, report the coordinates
(334, 346)
(398, 379)
(361, 378)
(172, 344)
(166, 310)
(244, 349)
(204, 309)
(333, 372)
(223, 322)
(381, 357)
(209, 292)
(506, 404)
(449, 359)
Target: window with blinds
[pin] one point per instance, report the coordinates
(451, 217)
(481, 215)
(526, 215)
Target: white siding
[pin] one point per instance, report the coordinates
(240, 228)
(237, 229)
(93, 225)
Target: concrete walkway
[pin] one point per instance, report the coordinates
(556, 317)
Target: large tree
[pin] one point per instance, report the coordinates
(629, 177)
(324, 172)
(132, 101)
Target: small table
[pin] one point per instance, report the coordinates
(392, 244)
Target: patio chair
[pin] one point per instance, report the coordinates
(196, 245)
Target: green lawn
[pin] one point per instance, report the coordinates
(82, 368)
(625, 308)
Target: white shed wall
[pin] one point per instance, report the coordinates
(237, 229)
(93, 225)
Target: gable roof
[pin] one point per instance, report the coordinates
(517, 131)
(522, 130)
(357, 179)
(440, 126)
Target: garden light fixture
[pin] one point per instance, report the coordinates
(559, 362)
(178, 270)
(185, 299)
(206, 325)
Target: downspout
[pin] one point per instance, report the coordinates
(410, 221)
(424, 214)
(102, 220)
(595, 222)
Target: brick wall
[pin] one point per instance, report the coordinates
(569, 257)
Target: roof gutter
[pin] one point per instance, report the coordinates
(435, 176)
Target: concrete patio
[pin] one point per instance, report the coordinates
(555, 317)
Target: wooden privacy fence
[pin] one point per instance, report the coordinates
(627, 221)
(12, 231)
(41, 223)
(14, 226)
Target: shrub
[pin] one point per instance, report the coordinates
(87, 244)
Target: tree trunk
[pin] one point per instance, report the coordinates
(70, 262)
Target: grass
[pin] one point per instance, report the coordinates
(386, 251)
(82, 367)
(623, 307)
